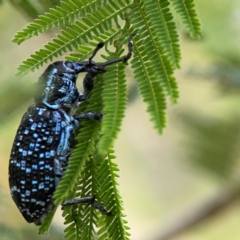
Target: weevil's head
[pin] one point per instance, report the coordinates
(63, 70)
(56, 87)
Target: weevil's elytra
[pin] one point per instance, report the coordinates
(46, 135)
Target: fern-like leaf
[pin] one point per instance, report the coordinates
(60, 16)
(186, 10)
(73, 36)
(111, 227)
(151, 49)
(150, 89)
(161, 18)
(81, 219)
(114, 101)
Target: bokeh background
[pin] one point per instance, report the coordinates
(182, 185)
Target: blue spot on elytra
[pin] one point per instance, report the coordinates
(26, 131)
(31, 145)
(34, 166)
(34, 182)
(27, 193)
(33, 126)
(50, 140)
(24, 153)
(41, 185)
(23, 163)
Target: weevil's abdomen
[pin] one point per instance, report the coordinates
(38, 158)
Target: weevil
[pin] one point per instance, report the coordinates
(45, 137)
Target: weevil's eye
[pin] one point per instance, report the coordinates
(70, 65)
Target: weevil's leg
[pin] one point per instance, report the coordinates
(60, 165)
(101, 208)
(88, 84)
(121, 59)
(87, 200)
(88, 81)
(88, 115)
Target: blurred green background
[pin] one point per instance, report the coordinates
(182, 185)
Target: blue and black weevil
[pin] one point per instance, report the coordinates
(46, 136)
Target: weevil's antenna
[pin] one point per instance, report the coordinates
(122, 59)
(99, 46)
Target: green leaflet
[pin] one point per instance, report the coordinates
(165, 29)
(60, 16)
(78, 33)
(81, 219)
(115, 226)
(98, 178)
(188, 14)
(114, 101)
(150, 89)
(151, 49)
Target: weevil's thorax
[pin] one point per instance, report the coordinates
(56, 87)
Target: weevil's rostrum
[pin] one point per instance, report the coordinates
(46, 135)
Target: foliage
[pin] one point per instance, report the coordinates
(156, 56)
